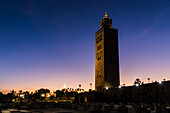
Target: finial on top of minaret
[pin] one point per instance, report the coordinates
(105, 16)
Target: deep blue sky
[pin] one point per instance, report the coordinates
(46, 43)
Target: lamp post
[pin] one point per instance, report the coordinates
(160, 91)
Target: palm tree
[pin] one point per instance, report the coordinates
(137, 81)
(26, 93)
(20, 91)
(79, 86)
(149, 80)
(90, 85)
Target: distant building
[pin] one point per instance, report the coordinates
(148, 93)
(106, 56)
(157, 92)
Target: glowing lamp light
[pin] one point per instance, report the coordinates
(22, 95)
(119, 86)
(107, 88)
(160, 82)
(13, 100)
(64, 86)
(48, 95)
(136, 85)
(42, 95)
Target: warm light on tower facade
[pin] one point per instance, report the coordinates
(106, 55)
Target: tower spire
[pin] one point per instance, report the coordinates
(105, 16)
(106, 21)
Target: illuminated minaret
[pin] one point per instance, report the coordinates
(106, 56)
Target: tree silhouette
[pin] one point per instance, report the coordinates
(1, 97)
(149, 80)
(137, 81)
(20, 91)
(82, 99)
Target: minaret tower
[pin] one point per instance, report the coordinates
(106, 56)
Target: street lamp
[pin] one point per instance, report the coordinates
(48, 95)
(107, 88)
(42, 95)
(21, 96)
(160, 82)
(136, 85)
(119, 87)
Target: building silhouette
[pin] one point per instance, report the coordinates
(106, 56)
(156, 92)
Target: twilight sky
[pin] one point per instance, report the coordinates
(49, 43)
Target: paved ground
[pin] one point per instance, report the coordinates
(57, 110)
